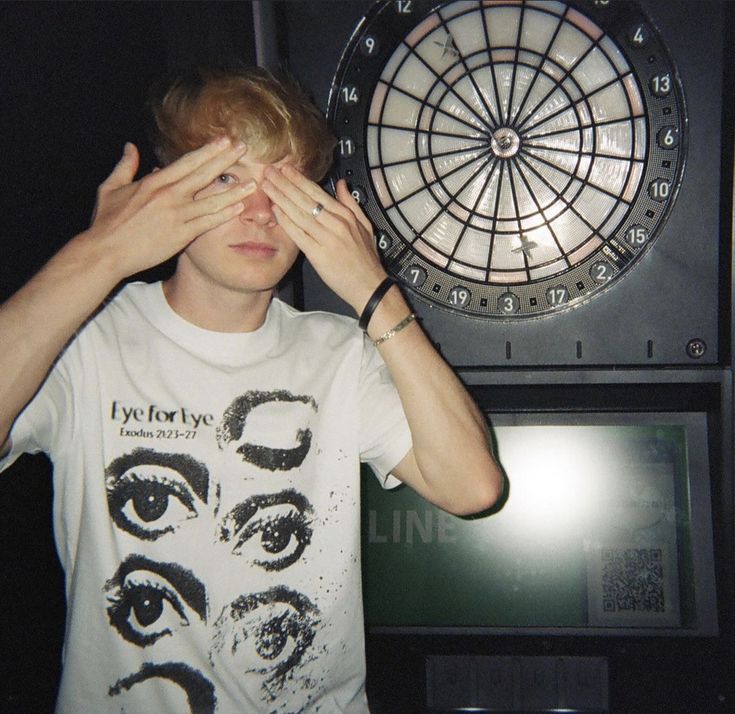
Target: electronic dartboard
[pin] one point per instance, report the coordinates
(519, 159)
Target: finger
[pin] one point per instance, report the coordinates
(299, 208)
(291, 209)
(217, 202)
(205, 173)
(282, 192)
(203, 223)
(188, 162)
(345, 197)
(125, 169)
(303, 241)
(194, 170)
(301, 191)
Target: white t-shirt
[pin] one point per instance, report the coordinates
(206, 507)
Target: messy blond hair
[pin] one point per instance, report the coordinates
(273, 116)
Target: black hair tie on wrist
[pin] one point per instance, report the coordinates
(374, 301)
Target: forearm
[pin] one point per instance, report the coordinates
(38, 320)
(450, 463)
(456, 469)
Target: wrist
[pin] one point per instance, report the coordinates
(87, 254)
(374, 301)
(391, 310)
(359, 294)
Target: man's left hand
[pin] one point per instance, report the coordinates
(336, 239)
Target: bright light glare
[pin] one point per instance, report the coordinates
(553, 479)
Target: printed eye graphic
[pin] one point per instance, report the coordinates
(271, 530)
(198, 690)
(151, 494)
(241, 420)
(267, 633)
(149, 600)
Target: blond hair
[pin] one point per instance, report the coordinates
(273, 116)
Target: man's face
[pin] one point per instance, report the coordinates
(250, 252)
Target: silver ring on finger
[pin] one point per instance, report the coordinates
(317, 210)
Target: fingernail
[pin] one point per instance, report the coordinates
(239, 145)
(222, 141)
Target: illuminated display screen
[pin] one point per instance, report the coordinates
(606, 528)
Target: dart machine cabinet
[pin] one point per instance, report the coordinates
(550, 182)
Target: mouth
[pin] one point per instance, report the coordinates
(254, 249)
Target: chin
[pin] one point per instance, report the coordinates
(254, 285)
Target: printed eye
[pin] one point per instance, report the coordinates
(198, 690)
(268, 634)
(250, 418)
(148, 503)
(150, 494)
(273, 525)
(150, 600)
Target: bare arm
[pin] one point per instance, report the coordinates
(450, 463)
(137, 224)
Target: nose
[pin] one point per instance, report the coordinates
(258, 209)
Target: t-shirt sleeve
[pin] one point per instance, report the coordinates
(384, 434)
(40, 425)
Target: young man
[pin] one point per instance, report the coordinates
(206, 437)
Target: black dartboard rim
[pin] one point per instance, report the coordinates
(531, 287)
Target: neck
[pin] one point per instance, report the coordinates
(216, 308)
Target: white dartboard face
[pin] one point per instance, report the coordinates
(517, 157)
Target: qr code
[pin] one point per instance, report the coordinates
(632, 580)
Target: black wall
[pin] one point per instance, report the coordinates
(73, 80)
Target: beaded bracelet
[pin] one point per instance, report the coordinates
(395, 330)
(374, 301)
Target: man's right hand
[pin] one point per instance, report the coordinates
(140, 224)
(136, 225)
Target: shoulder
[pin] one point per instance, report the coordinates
(334, 341)
(135, 295)
(129, 309)
(328, 327)
(132, 301)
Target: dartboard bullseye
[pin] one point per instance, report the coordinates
(515, 157)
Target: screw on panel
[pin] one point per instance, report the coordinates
(696, 348)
